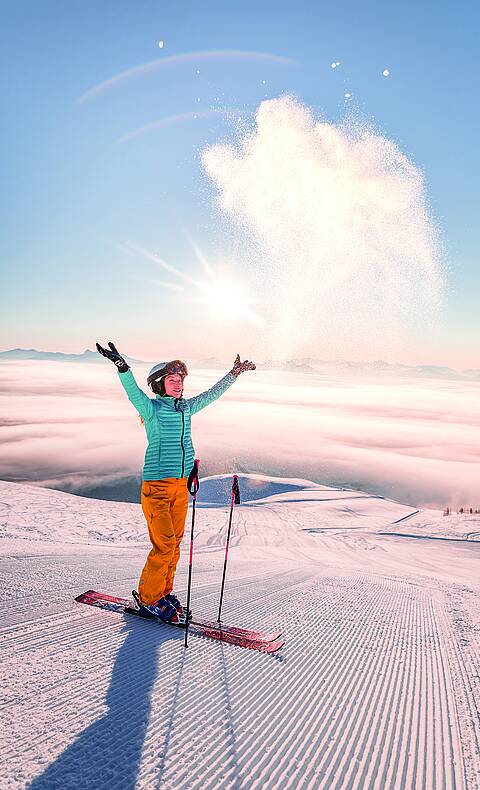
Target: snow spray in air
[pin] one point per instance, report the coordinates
(345, 251)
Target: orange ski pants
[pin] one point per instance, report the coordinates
(164, 505)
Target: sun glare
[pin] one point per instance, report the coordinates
(226, 300)
(223, 296)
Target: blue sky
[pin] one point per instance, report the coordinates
(72, 195)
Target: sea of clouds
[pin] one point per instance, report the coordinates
(417, 440)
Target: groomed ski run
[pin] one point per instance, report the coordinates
(376, 687)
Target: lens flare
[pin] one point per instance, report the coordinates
(179, 60)
(173, 120)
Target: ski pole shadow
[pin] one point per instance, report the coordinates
(108, 752)
(171, 721)
(231, 750)
(225, 739)
(231, 745)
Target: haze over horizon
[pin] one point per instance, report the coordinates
(297, 364)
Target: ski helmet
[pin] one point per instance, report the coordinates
(158, 373)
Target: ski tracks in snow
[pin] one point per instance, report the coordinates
(461, 622)
(372, 690)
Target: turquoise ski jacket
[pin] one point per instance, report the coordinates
(170, 452)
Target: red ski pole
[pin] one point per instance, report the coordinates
(193, 485)
(236, 500)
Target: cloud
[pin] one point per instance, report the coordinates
(340, 239)
(415, 440)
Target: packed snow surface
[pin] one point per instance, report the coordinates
(377, 685)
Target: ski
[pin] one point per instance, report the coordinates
(261, 636)
(211, 633)
(255, 640)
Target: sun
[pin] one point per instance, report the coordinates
(226, 300)
(223, 294)
(228, 303)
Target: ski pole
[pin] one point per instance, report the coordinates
(193, 484)
(236, 500)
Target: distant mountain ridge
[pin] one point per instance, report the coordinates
(302, 365)
(57, 356)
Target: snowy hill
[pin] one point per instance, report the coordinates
(42, 514)
(376, 686)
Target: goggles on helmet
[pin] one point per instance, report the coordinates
(177, 366)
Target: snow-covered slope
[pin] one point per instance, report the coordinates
(377, 685)
(44, 514)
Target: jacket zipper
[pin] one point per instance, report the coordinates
(183, 448)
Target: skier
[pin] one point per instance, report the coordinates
(168, 461)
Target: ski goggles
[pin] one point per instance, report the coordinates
(177, 366)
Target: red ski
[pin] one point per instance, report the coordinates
(254, 640)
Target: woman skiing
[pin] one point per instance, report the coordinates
(168, 462)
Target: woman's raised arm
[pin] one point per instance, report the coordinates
(136, 396)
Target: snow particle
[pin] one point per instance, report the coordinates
(160, 44)
(386, 72)
(348, 95)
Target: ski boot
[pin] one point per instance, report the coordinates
(162, 609)
(178, 606)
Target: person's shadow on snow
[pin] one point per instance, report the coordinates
(107, 754)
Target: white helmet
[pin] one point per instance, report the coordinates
(162, 369)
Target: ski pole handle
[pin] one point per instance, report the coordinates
(193, 483)
(235, 490)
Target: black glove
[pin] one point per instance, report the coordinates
(114, 357)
